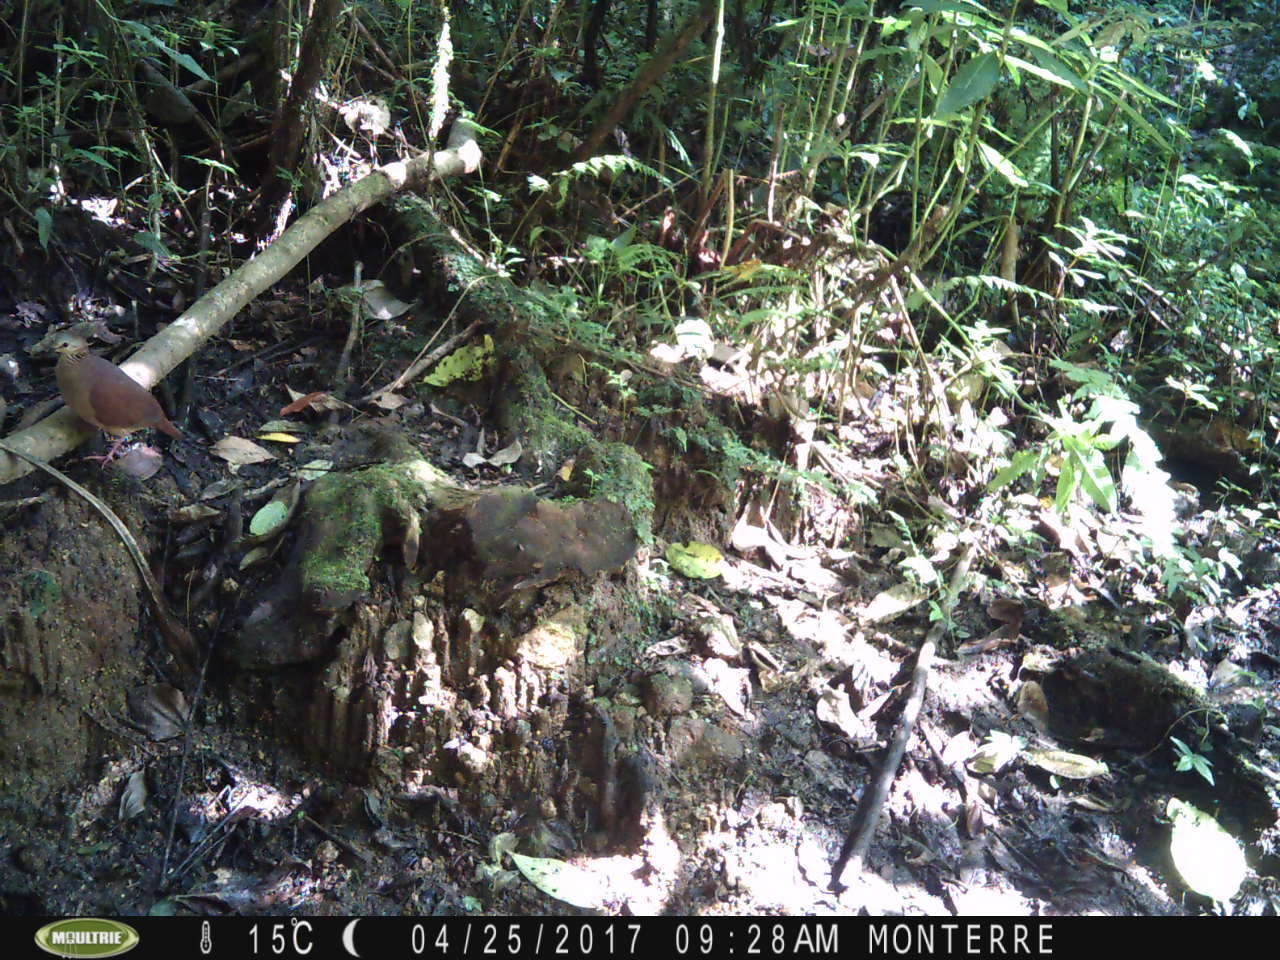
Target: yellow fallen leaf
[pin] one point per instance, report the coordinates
(1073, 766)
(700, 560)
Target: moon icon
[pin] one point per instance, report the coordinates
(349, 937)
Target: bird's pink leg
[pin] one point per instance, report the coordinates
(111, 454)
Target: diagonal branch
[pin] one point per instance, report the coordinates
(61, 432)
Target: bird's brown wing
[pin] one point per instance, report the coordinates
(120, 404)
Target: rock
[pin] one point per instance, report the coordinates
(666, 695)
(696, 742)
(719, 637)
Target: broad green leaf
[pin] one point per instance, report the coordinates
(1022, 462)
(1050, 60)
(255, 555)
(1140, 121)
(891, 602)
(1067, 484)
(1092, 381)
(314, 469)
(950, 6)
(1132, 85)
(992, 282)
(269, 519)
(999, 750)
(92, 155)
(1233, 138)
(469, 362)
(272, 517)
(1079, 30)
(1096, 480)
(1029, 39)
(152, 242)
(143, 32)
(1062, 76)
(1188, 759)
(975, 80)
(186, 61)
(934, 72)
(1002, 164)
(922, 568)
(876, 52)
(561, 880)
(625, 238)
(44, 226)
(208, 162)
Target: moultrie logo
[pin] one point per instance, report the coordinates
(86, 937)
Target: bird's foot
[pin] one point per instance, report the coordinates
(111, 454)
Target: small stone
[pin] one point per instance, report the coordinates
(695, 741)
(395, 642)
(473, 759)
(666, 695)
(32, 859)
(424, 633)
(720, 637)
(557, 642)
(327, 851)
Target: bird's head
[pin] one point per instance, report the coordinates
(68, 344)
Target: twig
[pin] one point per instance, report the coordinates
(181, 644)
(342, 375)
(444, 415)
(369, 39)
(867, 816)
(347, 845)
(218, 833)
(162, 880)
(232, 530)
(425, 360)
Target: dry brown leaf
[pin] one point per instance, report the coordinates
(142, 462)
(1064, 534)
(306, 401)
(1006, 610)
(390, 401)
(193, 513)
(1033, 705)
(238, 451)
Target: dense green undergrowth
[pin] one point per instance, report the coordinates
(1050, 226)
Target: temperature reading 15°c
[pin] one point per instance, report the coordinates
(280, 940)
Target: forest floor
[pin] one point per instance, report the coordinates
(708, 760)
